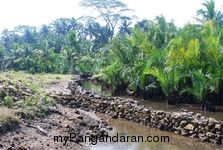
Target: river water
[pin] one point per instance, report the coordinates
(126, 128)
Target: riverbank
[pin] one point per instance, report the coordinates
(24, 125)
(69, 113)
(183, 123)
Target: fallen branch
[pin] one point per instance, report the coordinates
(38, 129)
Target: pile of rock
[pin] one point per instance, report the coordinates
(16, 90)
(183, 122)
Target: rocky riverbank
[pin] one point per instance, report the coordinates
(184, 123)
(26, 129)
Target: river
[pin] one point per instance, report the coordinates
(126, 128)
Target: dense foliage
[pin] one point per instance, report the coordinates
(151, 57)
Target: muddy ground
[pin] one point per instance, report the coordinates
(42, 133)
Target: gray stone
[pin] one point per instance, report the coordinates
(210, 135)
(218, 127)
(184, 133)
(189, 127)
(183, 123)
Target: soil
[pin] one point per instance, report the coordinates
(39, 133)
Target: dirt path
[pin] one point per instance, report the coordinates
(60, 86)
(40, 133)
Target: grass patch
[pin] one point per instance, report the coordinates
(6, 114)
(52, 77)
(8, 121)
(35, 101)
(23, 95)
(45, 77)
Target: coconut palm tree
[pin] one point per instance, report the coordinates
(46, 55)
(6, 38)
(44, 31)
(124, 27)
(143, 25)
(209, 13)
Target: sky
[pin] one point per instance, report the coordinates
(38, 12)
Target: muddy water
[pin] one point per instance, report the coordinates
(96, 88)
(126, 128)
(166, 107)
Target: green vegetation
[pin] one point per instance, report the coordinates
(150, 58)
(23, 94)
(7, 116)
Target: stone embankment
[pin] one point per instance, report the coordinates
(184, 123)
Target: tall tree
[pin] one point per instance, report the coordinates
(143, 25)
(6, 39)
(29, 33)
(110, 11)
(124, 27)
(209, 13)
(44, 31)
(99, 35)
(60, 26)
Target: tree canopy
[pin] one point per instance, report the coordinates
(149, 58)
(209, 12)
(111, 12)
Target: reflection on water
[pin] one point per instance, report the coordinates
(127, 128)
(96, 88)
(166, 107)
